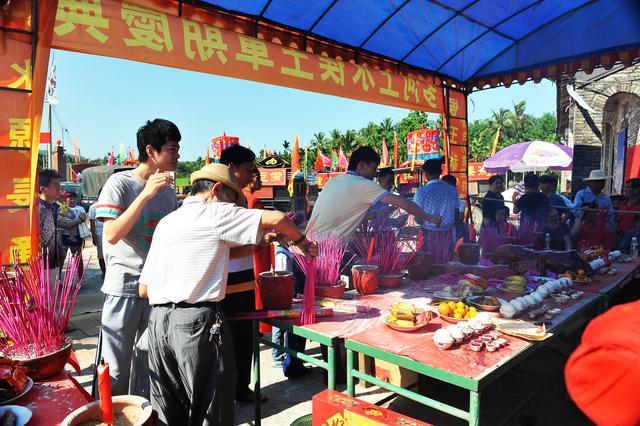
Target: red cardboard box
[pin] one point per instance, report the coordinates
(331, 408)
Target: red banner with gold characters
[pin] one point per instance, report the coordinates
(273, 177)
(153, 32)
(456, 140)
(23, 68)
(477, 172)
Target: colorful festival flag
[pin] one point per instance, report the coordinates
(121, 157)
(322, 161)
(384, 161)
(334, 160)
(396, 159)
(343, 163)
(111, 158)
(295, 164)
(207, 159)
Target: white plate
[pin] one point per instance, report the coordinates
(22, 413)
(26, 389)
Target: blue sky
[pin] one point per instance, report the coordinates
(103, 101)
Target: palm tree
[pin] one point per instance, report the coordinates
(520, 121)
(286, 145)
(349, 140)
(335, 138)
(387, 126)
(318, 139)
(500, 127)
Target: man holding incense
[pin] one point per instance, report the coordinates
(130, 205)
(345, 200)
(185, 277)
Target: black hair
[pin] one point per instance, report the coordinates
(432, 167)
(237, 154)
(504, 209)
(634, 183)
(186, 190)
(363, 154)
(493, 178)
(531, 180)
(385, 171)
(201, 185)
(549, 179)
(155, 133)
(72, 194)
(450, 179)
(46, 176)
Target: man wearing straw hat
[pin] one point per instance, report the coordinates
(185, 278)
(593, 194)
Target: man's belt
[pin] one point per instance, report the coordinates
(240, 252)
(241, 287)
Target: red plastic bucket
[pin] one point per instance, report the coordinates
(276, 289)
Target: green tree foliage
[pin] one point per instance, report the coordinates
(515, 126)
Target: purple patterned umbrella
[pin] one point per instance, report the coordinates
(532, 156)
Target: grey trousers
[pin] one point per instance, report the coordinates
(193, 374)
(124, 319)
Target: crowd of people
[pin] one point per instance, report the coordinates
(592, 218)
(176, 266)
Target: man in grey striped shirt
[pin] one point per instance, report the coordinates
(185, 275)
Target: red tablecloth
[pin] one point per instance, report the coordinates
(51, 401)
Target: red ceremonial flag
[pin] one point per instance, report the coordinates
(207, 159)
(295, 164)
(322, 161)
(343, 163)
(384, 161)
(396, 161)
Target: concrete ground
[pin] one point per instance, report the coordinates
(531, 394)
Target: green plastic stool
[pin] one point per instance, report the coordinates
(302, 421)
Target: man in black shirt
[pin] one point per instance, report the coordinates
(533, 206)
(548, 184)
(493, 200)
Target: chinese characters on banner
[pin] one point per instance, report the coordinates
(457, 140)
(19, 233)
(153, 32)
(477, 172)
(423, 144)
(273, 177)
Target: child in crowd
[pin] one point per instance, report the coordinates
(71, 239)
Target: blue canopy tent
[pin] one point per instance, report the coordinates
(474, 42)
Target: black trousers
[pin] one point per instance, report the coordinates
(241, 331)
(191, 365)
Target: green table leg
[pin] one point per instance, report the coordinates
(351, 388)
(331, 371)
(474, 408)
(256, 373)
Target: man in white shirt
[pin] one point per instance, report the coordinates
(508, 195)
(185, 275)
(345, 200)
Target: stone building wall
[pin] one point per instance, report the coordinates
(615, 96)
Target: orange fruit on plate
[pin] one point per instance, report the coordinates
(444, 308)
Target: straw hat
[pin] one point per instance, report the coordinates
(596, 175)
(218, 173)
